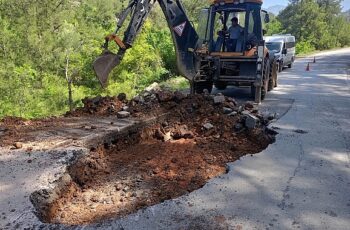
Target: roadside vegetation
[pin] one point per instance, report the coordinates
(47, 48)
(317, 25)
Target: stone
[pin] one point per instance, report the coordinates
(121, 97)
(251, 121)
(146, 94)
(159, 134)
(233, 114)
(272, 116)
(206, 92)
(156, 170)
(125, 108)
(18, 145)
(208, 126)
(178, 96)
(165, 96)
(232, 100)
(153, 97)
(139, 99)
(245, 113)
(125, 189)
(249, 105)
(238, 127)
(95, 100)
(118, 187)
(95, 199)
(123, 114)
(227, 110)
(183, 132)
(153, 87)
(219, 99)
(3, 129)
(167, 137)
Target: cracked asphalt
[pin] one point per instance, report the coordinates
(302, 181)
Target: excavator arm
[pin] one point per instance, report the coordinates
(183, 34)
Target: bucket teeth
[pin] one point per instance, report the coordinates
(103, 66)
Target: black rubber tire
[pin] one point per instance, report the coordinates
(290, 65)
(280, 67)
(220, 85)
(273, 75)
(253, 92)
(265, 83)
(266, 77)
(199, 87)
(276, 82)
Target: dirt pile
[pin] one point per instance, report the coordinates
(177, 155)
(152, 102)
(99, 106)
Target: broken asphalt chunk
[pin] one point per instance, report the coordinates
(219, 99)
(208, 126)
(123, 114)
(251, 121)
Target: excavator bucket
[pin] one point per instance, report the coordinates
(103, 66)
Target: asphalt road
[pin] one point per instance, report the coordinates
(302, 181)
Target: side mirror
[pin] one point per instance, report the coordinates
(284, 51)
(267, 18)
(264, 32)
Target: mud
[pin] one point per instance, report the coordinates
(162, 161)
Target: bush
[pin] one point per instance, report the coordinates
(303, 47)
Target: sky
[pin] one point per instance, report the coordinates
(268, 3)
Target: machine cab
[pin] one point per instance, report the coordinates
(233, 27)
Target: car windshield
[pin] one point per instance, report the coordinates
(274, 46)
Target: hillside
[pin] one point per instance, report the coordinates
(276, 9)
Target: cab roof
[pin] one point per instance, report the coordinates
(235, 1)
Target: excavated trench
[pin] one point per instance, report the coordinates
(149, 165)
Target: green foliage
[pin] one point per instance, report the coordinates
(274, 27)
(304, 47)
(316, 24)
(47, 45)
(176, 83)
(141, 66)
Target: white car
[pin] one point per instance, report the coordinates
(283, 47)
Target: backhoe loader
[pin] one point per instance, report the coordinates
(217, 53)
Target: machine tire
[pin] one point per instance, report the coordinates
(220, 85)
(266, 79)
(199, 87)
(280, 67)
(253, 91)
(262, 89)
(273, 75)
(290, 65)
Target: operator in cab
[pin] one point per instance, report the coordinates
(235, 32)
